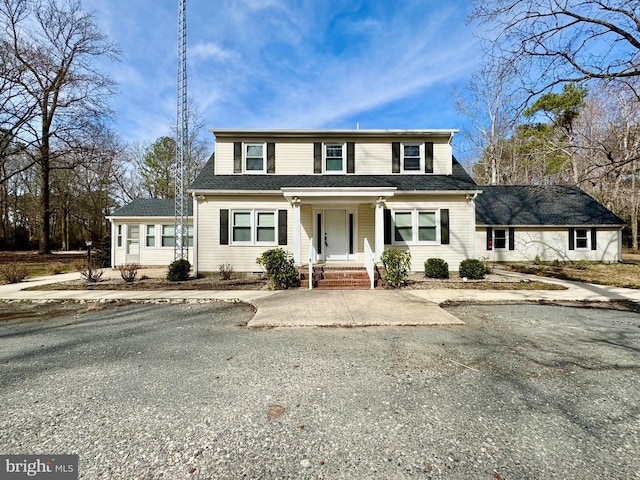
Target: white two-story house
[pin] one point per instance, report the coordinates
(341, 195)
(329, 195)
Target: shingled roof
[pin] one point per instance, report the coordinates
(508, 205)
(151, 207)
(459, 180)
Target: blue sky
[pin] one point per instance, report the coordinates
(291, 64)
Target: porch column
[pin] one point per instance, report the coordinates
(379, 228)
(297, 253)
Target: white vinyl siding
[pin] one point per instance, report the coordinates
(242, 256)
(461, 231)
(549, 244)
(372, 156)
(151, 256)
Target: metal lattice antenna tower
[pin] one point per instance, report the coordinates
(181, 248)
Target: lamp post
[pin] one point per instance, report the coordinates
(89, 243)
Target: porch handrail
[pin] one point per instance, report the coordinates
(369, 262)
(311, 258)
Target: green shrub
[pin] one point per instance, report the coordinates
(436, 268)
(280, 268)
(179, 270)
(472, 269)
(397, 264)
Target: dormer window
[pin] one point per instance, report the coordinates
(411, 158)
(254, 158)
(334, 158)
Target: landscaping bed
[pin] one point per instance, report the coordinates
(418, 281)
(213, 282)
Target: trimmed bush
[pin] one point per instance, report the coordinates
(436, 268)
(178, 270)
(280, 268)
(472, 269)
(397, 264)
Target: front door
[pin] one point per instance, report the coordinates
(335, 234)
(133, 244)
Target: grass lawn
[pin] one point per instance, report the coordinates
(38, 265)
(626, 274)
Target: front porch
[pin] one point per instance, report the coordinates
(335, 225)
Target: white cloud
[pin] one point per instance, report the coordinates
(208, 50)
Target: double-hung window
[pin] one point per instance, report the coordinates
(119, 236)
(427, 228)
(334, 158)
(582, 238)
(150, 236)
(253, 227)
(415, 226)
(411, 157)
(254, 158)
(500, 239)
(168, 238)
(168, 235)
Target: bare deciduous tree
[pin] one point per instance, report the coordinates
(565, 41)
(52, 84)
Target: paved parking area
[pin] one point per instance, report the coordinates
(149, 391)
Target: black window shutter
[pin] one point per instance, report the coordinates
(351, 233)
(512, 238)
(572, 239)
(317, 157)
(489, 238)
(351, 158)
(387, 226)
(271, 157)
(444, 226)
(319, 229)
(237, 157)
(282, 227)
(594, 239)
(428, 157)
(395, 158)
(224, 227)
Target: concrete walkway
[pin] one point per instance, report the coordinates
(331, 307)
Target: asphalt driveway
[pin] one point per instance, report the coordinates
(149, 391)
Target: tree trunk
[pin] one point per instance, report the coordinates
(44, 243)
(634, 206)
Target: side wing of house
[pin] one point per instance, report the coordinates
(143, 232)
(523, 223)
(328, 196)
